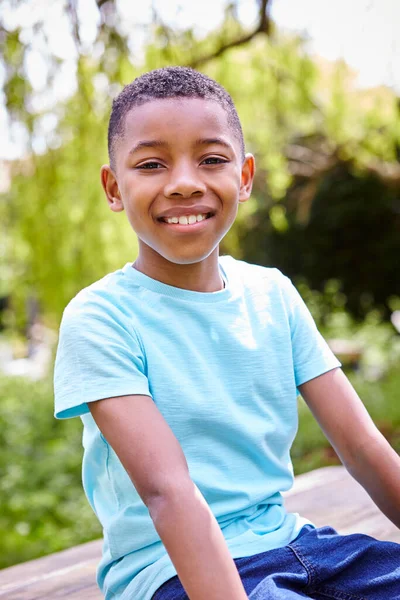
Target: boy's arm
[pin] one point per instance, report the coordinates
(360, 446)
(154, 460)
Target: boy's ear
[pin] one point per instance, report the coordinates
(248, 170)
(111, 189)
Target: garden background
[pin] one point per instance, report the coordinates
(325, 210)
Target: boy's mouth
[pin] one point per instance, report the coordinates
(189, 219)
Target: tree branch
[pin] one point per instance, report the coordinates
(263, 26)
(100, 3)
(387, 172)
(71, 9)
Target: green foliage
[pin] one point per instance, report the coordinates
(349, 233)
(62, 235)
(43, 507)
(16, 87)
(311, 449)
(377, 339)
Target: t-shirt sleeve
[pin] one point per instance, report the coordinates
(311, 354)
(98, 357)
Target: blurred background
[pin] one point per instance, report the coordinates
(317, 87)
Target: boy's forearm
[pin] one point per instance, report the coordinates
(377, 468)
(196, 546)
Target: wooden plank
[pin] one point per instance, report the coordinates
(89, 552)
(327, 496)
(76, 584)
(67, 574)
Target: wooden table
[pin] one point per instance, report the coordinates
(327, 496)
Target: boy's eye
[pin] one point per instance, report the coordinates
(214, 160)
(150, 165)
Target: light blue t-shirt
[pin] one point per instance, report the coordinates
(223, 368)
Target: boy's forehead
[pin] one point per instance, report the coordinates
(169, 117)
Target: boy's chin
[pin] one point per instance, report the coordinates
(188, 260)
(180, 256)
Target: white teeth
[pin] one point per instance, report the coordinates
(186, 220)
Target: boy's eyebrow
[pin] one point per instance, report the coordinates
(209, 141)
(148, 144)
(161, 144)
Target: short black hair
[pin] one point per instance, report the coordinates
(169, 82)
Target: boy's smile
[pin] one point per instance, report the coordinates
(180, 176)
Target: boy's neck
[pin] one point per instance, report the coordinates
(204, 276)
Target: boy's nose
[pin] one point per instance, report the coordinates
(184, 183)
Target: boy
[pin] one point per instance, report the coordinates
(184, 368)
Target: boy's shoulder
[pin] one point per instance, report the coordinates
(267, 287)
(254, 276)
(105, 293)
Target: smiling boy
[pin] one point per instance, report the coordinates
(185, 366)
(182, 131)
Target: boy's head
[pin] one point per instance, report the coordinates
(169, 82)
(178, 167)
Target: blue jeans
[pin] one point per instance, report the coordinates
(318, 564)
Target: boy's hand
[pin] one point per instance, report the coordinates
(357, 441)
(154, 460)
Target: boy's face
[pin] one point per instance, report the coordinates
(178, 160)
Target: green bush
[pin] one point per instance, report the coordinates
(43, 507)
(377, 338)
(311, 449)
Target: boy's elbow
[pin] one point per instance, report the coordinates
(169, 496)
